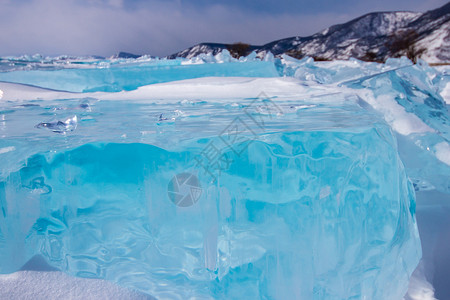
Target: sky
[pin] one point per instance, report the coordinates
(160, 28)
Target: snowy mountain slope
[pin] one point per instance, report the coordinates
(342, 41)
(369, 37)
(433, 28)
(212, 48)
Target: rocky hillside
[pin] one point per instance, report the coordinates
(374, 37)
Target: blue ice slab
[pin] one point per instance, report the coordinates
(131, 76)
(259, 199)
(416, 89)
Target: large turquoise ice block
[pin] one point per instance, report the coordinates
(248, 199)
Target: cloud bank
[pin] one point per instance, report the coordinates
(105, 27)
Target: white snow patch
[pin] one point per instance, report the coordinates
(419, 287)
(57, 285)
(347, 43)
(401, 121)
(7, 149)
(220, 88)
(435, 43)
(22, 92)
(443, 152)
(324, 32)
(395, 20)
(446, 93)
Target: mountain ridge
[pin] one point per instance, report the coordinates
(374, 36)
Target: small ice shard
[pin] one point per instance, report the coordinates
(29, 105)
(37, 185)
(85, 105)
(162, 118)
(171, 116)
(69, 124)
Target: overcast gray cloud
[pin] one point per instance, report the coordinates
(105, 27)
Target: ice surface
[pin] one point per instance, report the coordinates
(114, 77)
(306, 205)
(206, 188)
(412, 99)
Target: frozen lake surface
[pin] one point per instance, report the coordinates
(218, 178)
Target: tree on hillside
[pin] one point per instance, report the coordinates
(403, 43)
(371, 56)
(295, 53)
(239, 49)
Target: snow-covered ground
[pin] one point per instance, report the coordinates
(52, 285)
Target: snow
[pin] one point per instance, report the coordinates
(446, 93)
(7, 149)
(207, 87)
(419, 287)
(396, 20)
(53, 285)
(325, 31)
(20, 92)
(436, 44)
(401, 121)
(443, 152)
